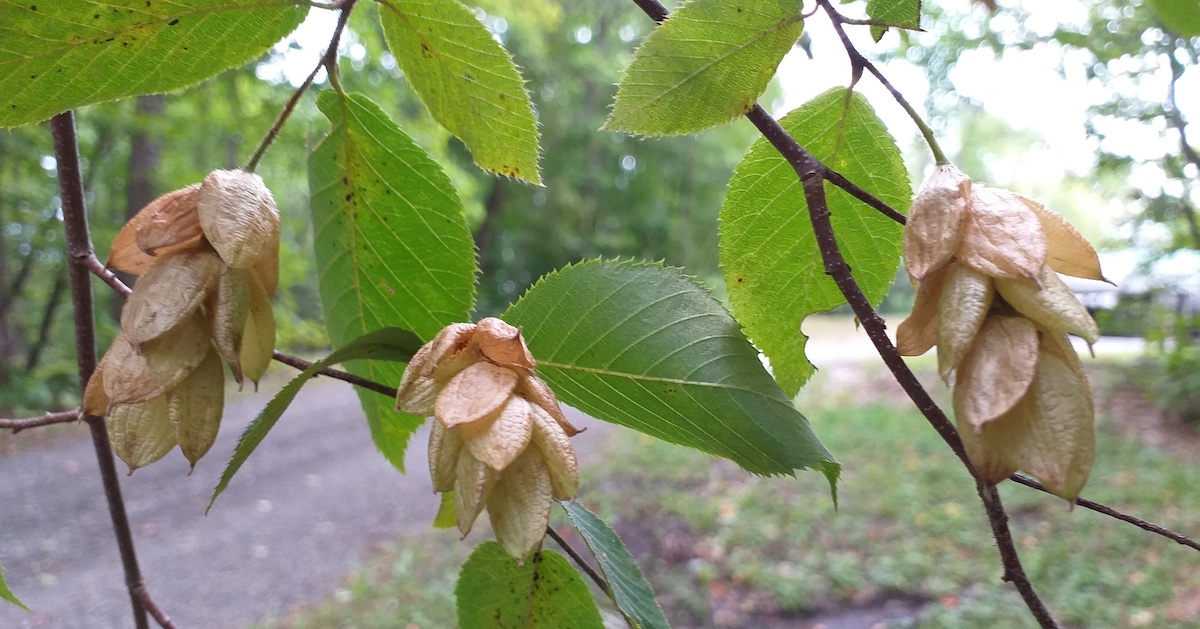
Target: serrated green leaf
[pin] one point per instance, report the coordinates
(392, 245)
(6, 594)
(630, 590)
(1179, 16)
(467, 80)
(897, 13)
(643, 346)
(59, 54)
(545, 592)
(769, 255)
(387, 344)
(704, 66)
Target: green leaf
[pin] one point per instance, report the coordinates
(769, 255)
(391, 344)
(392, 245)
(898, 13)
(704, 66)
(643, 346)
(1179, 16)
(7, 594)
(629, 587)
(59, 54)
(496, 592)
(467, 80)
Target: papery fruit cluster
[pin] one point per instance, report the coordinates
(985, 263)
(498, 438)
(207, 257)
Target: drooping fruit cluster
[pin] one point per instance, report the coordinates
(498, 437)
(208, 260)
(985, 263)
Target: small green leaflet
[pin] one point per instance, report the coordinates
(769, 256)
(495, 592)
(7, 594)
(59, 54)
(643, 346)
(391, 344)
(1181, 17)
(467, 80)
(392, 245)
(629, 587)
(898, 13)
(704, 66)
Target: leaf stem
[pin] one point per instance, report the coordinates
(290, 106)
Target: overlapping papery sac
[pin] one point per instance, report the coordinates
(207, 257)
(498, 439)
(985, 263)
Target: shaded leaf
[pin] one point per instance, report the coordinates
(769, 256)
(1180, 16)
(391, 344)
(649, 349)
(467, 80)
(392, 245)
(898, 13)
(495, 591)
(62, 54)
(704, 66)
(632, 592)
(6, 594)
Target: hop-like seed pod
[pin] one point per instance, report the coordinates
(238, 216)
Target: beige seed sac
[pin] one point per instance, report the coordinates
(228, 307)
(916, 334)
(997, 371)
(472, 485)
(519, 505)
(933, 229)
(258, 337)
(445, 446)
(238, 215)
(1001, 236)
(475, 393)
(131, 376)
(1067, 251)
(195, 408)
(965, 300)
(125, 254)
(172, 224)
(1050, 304)
(561, 464)
(502, 344)
(540, 394)
(168, 293)
(141, 433)
(504, 437)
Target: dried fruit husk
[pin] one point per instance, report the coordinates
(474, 393)
(168, 293)
(1067, 251)
(503, 437)
(1001, 236)
(267, 269)
(95, 400)
(418, 392)
(561, 463)
(541, 395)
(131, 376)
(933, 229)
(916, 334)
(502, 344)
(1052, 305)
(997, 371)
(228, 307)
(445, 446)
(238, 215)
(258, 337)
(964, 303)
(473, 483)
(125, 255)
(519, 504)
(172, 224)
(195, 408)
(141, 433)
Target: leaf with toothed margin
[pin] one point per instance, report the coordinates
(897, 13)
(495, 591)
(388, 344)
(643, 346)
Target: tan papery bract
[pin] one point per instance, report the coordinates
(418, 391)
(933, 229)
(131, 376)
(445, 445)
(475, 393)
(502, 344)
(228, 306)
(964, 303)
(1067, 251)
(195, 406)
(519, 504)
(473, 482)
(997, 371)
(1052, 306)
(986, 451)
(238, 215)
(916, 334)
(505, 437)
(267, 269)
(168, 293)
(561, 462)
(95, 400)
(258, 337)
(126, 256)
(1001, 236)
(141, 433)
(540, 394)
(171, 226)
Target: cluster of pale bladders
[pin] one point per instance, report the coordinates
(498, 438)
(207, 257)
(985, 263)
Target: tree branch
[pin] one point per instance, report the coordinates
(46, 419)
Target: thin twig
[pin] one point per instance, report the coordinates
(290, 106)
(156, 612)
(79, 251)
(98, 269)
(579, 559)
(301, 364)
(59, 417)
(838, 180)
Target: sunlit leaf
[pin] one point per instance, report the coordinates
(769, 255)
(494, 591)
(643, 346)
(467, 80)
(898, 13)
(392, 245)
(704, 66)
(59, 54)
(1180, 16)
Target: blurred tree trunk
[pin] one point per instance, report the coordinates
(34, 355)
(6, 330)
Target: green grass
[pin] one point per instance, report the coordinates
(724, 549)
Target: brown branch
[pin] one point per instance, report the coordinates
(838, 180)
(156, 612)
(301, 364)
(580, 560)
(79, 251)
(58, 417)
(97, 268)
